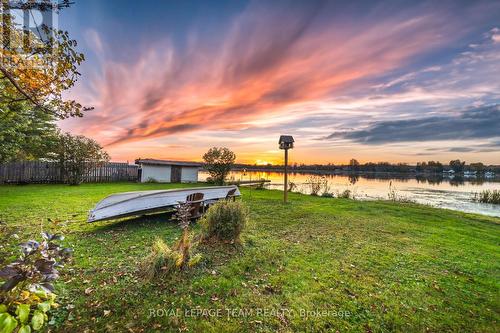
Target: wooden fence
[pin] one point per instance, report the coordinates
(49, 172)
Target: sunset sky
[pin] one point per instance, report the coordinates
(398, 81)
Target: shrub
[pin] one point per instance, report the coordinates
(26, 296)
(315, 182)
(345, 194)
(327, 195)
(151, 180)
(487, 196)
(224, 221)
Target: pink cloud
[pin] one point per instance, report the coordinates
(266, 62)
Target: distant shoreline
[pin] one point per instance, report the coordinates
(361, 173)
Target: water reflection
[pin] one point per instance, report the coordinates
(436, 190)
(353, 179)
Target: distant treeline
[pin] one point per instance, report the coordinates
(457, 166)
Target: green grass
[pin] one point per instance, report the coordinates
(390, 266)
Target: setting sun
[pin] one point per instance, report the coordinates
(263, 162)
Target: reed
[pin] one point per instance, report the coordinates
(487, 196)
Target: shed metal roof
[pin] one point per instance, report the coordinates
(150, 161)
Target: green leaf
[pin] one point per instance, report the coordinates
(23, 312)
(44, 307)
(37, 321)
(25, 329)
(8, 324)
(3, 308)
(42, 294)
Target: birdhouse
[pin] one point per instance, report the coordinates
(286, 142)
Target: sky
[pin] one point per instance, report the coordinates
(397, 81)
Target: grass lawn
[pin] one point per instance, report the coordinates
(315, 264)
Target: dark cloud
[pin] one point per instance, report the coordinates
(475, 123)
(461, 149)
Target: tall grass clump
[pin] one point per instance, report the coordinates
(163, 260)
(160, 262)
(396, 197)
(224, 221)
(487, 196)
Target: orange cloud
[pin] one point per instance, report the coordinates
(265, 63)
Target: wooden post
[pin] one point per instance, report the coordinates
(285, 196)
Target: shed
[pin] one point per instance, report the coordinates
(166, 171)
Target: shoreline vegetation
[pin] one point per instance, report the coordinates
(383, 265)
(454, 167)
(280, 168)
(487, 196)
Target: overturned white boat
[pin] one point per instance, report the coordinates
(143, 202)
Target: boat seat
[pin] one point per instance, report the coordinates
(229, 196)
(195, 200)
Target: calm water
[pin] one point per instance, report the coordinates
(439, 192)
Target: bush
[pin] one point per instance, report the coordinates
(316, 183)
(345, 194)
(224, 221)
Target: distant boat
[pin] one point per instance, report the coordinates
(449, 173)
(470, 173)
(143, 202)
(489, 174)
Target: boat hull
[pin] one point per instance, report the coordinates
(144, 202)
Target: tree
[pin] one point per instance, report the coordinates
(76, 156)
(218, 163)
(25, 134)
(457, 165)
(36, 68)
(479, 167)
(354, 164)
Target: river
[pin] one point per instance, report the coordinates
(452, 193)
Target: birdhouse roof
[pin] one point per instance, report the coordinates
(286, 139)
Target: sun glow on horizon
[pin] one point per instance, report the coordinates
(400, 82)
(263, 162)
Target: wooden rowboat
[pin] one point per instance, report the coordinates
(143, 202)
